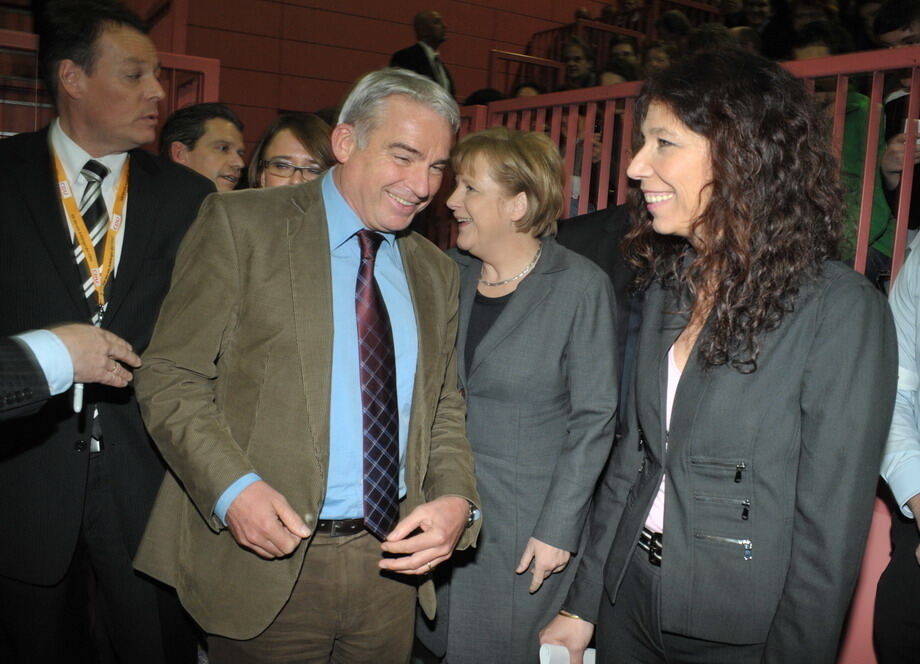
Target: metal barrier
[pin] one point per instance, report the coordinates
(638, 23)
(508, 70)
(602, 118)
(26, 106)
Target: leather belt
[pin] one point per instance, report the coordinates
(339, 527)
(651, 542)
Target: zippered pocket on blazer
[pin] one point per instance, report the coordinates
(747, 546)
(744, 504)
(739, 467)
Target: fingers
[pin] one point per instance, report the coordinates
(255, 521)
(120, 350)
(291, 520)
(526, 558)
(403, 529)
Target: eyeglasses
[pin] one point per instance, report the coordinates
(285, 169)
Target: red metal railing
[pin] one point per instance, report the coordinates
(601, 118)
(26, 106)
(639, 23)
(507, 70)
(549, 43)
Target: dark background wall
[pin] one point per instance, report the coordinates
(304, 54)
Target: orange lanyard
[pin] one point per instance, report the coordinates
(99, 273)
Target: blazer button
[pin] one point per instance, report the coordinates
(80, 446)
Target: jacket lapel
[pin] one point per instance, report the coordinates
(142, 211)
(311, 285)
(37, 182)
(469, 278)
(530, 292)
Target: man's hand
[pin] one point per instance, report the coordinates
(893, 158)
(573, 633)
(261, 520)
(441, 521)
(547, 560)
(94, 352)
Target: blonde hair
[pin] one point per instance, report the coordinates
(520, 161)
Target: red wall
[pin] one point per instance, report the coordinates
(304, 54)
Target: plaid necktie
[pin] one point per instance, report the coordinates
(96, 219)
(378, 395)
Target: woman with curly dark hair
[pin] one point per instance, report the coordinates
(730, 524)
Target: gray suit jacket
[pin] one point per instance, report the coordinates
(541, 399)
(770, 475)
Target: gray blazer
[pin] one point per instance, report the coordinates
(541, 401)
(770, 475)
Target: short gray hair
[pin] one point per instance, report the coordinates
(362, 106)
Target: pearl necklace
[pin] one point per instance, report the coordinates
(519, 275)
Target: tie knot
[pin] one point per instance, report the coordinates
(93, 170)
(369, 241)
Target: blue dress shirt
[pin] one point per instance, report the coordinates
(344, 484)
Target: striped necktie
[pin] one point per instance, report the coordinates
(96, 218)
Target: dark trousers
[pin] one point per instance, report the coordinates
(342, 610)
(102, 610)
(630, 630)
(897, 602)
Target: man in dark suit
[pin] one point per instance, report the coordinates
(77, 488)
(39, 364)
(423, 57)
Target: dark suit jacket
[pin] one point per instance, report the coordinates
(44, 458)
(23, 387)
(597, 236)
(415, 59)
(771, 475)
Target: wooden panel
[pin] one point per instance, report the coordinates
(235, 49)
(257, 17)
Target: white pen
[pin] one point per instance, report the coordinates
(77, 397)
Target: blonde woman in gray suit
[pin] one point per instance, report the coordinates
(536, 350)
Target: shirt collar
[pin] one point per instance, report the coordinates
(430, 52)
(73, 157)
(341, 220)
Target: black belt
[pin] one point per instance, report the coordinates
(651, 542)
(339, 527)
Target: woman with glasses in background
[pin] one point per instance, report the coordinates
(294, 149)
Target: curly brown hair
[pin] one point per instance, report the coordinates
(775, 211)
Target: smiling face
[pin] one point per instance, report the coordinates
(484, 211)
(285, 148)
(674, 169)
(114, 108)
(396, 173)
(217, 155)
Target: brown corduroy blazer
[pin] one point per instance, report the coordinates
(237, 380)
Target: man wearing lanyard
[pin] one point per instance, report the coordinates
(88, 233)
(423, 57)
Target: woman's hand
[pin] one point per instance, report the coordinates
(546, 560)
(572, 633)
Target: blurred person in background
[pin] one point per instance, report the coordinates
(578, 57)
(294, 149)
(208, 138)
(822, 39)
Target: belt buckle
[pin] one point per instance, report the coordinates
(654, 549)
(96, 445)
